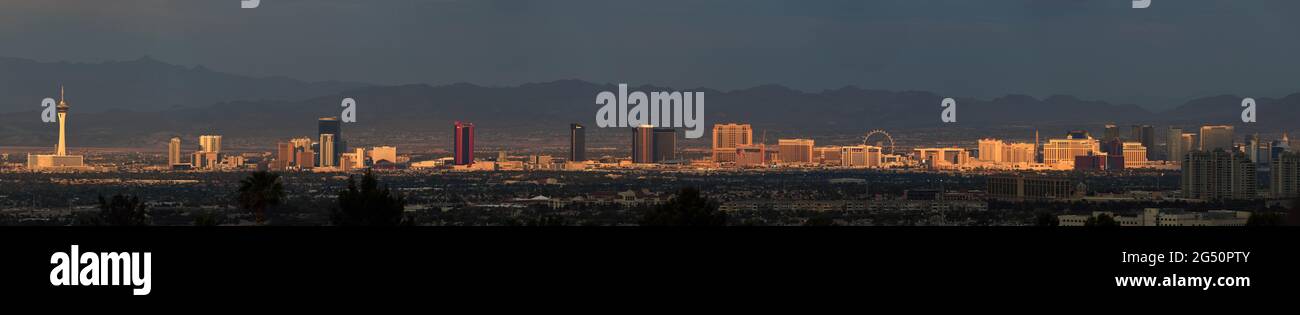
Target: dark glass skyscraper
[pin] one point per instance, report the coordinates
(1147, 136)
(577, 143)
(332, 125)
(464, 143)
(665, 144)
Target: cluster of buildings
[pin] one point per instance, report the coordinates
(328, 151)
(1165, 217)
(1213, 164)
(733, 145)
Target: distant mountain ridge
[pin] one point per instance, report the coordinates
(143, 84)
(281, 112)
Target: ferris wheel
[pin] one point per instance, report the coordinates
(866, 140)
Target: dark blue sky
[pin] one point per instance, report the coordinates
(1096, 49)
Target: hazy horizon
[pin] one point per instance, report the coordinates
(1156, 58)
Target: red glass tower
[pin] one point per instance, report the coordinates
(464, 143)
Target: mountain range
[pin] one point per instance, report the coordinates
(146, 101)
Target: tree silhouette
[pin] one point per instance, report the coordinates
(1266, 218)
(1293, 216)
(820, 220)
(207, 218)
(122, 210)
(368, 204)
(1044, 218)
(688, 208)
(259, 192)
(1101, 220)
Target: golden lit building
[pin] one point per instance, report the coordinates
(1216, 137)
(327, 150)
(795, 151)
(284, 155)
(385, 153)
(1062, 152)
(210, 143)
(1020, 153)
(305, 157)
(829, 155)
(936, 157)
(726, 137)
(751, 155)
(992, 150)
(174, 152)
(1135, 154)
(861, 156)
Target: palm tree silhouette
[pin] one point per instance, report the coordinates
(259, 191)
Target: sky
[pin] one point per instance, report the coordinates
(1156, 57)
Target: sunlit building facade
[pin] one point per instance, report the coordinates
(1216, 137)
(463, 143)
(726, 137)
(795, 151)
(1058, 152)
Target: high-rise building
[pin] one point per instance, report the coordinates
(206, 160)
(306, 158)
(992, 150)
(751, 155)
(726, 137)
(1218, 174)
(861, 156)
(327, 152)
(1216, 137)
(1285, 175)
(360, 161)
(577, 143)
(347, 161)
(1191, 142)
(1094, 162)
(464, 143)
(1174, 144)
(1280, 146)
(1111, 133)
(209, 155)
(174, 152)
(795, 151)
(284, 155)
(665, 144)
(1064, 151)
(1020, 153)
(1260, 152)
(301, 143)
(210, 143)
(828, 155)
(1134, 153)
(643, 144)
(1146, 135)
(332, 125)
(942, 156)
